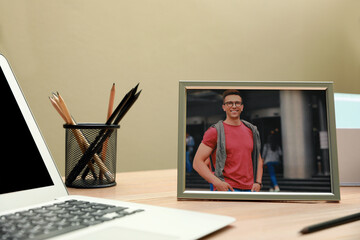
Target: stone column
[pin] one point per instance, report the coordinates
(296, 125)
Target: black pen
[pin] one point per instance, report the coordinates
(331, 223)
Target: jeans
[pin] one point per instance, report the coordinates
(271, 169)
(188, 162)
(241, 190)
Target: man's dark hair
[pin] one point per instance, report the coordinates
(231, 92)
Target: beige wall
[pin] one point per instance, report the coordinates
(80, 48)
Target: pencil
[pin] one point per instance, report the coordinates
(65, 110)
(331, 223)
(57, 108)
(95, 146)
(110, 110)
(59, 104)
(126, 108)
(111, 101)
(83, 143)
(55, 102)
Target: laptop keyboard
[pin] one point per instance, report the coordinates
(59, 218)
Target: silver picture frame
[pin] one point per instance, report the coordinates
(302, 111)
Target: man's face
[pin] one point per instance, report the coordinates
(233, 106)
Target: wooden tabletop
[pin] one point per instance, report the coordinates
(255, 219)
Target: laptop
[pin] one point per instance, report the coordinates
(34, 202)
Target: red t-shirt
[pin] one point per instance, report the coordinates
(238, 170)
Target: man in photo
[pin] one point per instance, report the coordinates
(232, 147)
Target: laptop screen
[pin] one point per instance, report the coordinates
(21, 163)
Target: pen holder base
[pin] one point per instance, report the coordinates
(100, 170)
(90, 183)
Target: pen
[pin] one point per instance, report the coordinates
(331, 223)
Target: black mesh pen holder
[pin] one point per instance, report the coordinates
(90, 155)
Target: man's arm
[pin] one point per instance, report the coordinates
(256, 187)
(202, 154)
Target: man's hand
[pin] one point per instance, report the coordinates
(222, 186)
(256, 187)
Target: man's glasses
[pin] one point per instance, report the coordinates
(230, 104)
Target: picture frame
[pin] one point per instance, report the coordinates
(302, 112)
